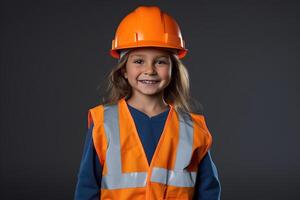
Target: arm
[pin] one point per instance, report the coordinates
(89, 175)
(207, 182)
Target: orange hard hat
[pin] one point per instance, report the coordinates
(148, 26)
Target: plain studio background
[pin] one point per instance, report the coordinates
(243, 62)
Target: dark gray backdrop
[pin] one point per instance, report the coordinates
(243, 62)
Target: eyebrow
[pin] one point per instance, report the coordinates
(141, 55)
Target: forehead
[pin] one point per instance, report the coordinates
(149, 52)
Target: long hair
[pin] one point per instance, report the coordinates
(176, 93)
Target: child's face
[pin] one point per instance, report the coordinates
(148, 70)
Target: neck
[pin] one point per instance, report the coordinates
(151, 105)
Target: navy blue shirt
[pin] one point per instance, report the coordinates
(88, 186)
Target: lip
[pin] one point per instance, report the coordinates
(148, 80)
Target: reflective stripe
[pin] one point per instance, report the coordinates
(115, 179)
(185, 144)
(112, 130)
(181, 178)
(125, 180)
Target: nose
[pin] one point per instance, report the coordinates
(150, 69)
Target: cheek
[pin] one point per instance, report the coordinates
(132, 73)
(166, 73)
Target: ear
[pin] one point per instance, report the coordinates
(125, 74)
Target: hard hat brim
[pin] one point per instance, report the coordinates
(180, 52)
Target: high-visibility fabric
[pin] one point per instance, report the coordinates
(149, 128)
(173, 169)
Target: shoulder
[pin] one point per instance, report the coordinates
(97, 108)
(201, 128)
(95, 115)
(199, 120)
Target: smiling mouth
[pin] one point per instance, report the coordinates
(148, 81)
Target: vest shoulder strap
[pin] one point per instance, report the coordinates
(200, 124)
(95, 115)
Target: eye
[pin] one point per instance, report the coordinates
(138, 61)
(162, 62)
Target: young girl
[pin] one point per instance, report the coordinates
(145, 140)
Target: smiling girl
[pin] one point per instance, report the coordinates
(145, 141)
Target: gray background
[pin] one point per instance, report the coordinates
(243, 62)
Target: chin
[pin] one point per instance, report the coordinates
(150, 93)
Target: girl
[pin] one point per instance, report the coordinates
(146, 141)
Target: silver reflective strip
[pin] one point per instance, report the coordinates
(112, 130)
(115, 179)
(125, 180)
(181, 178)
(185, 144)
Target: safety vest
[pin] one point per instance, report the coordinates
(126, 173)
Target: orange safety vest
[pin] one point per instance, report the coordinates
(126, 173)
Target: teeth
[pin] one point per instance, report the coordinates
(148, 82)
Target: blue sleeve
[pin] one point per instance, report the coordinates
(207, 186)
(90, 172)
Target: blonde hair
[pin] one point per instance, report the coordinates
(176, 93)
